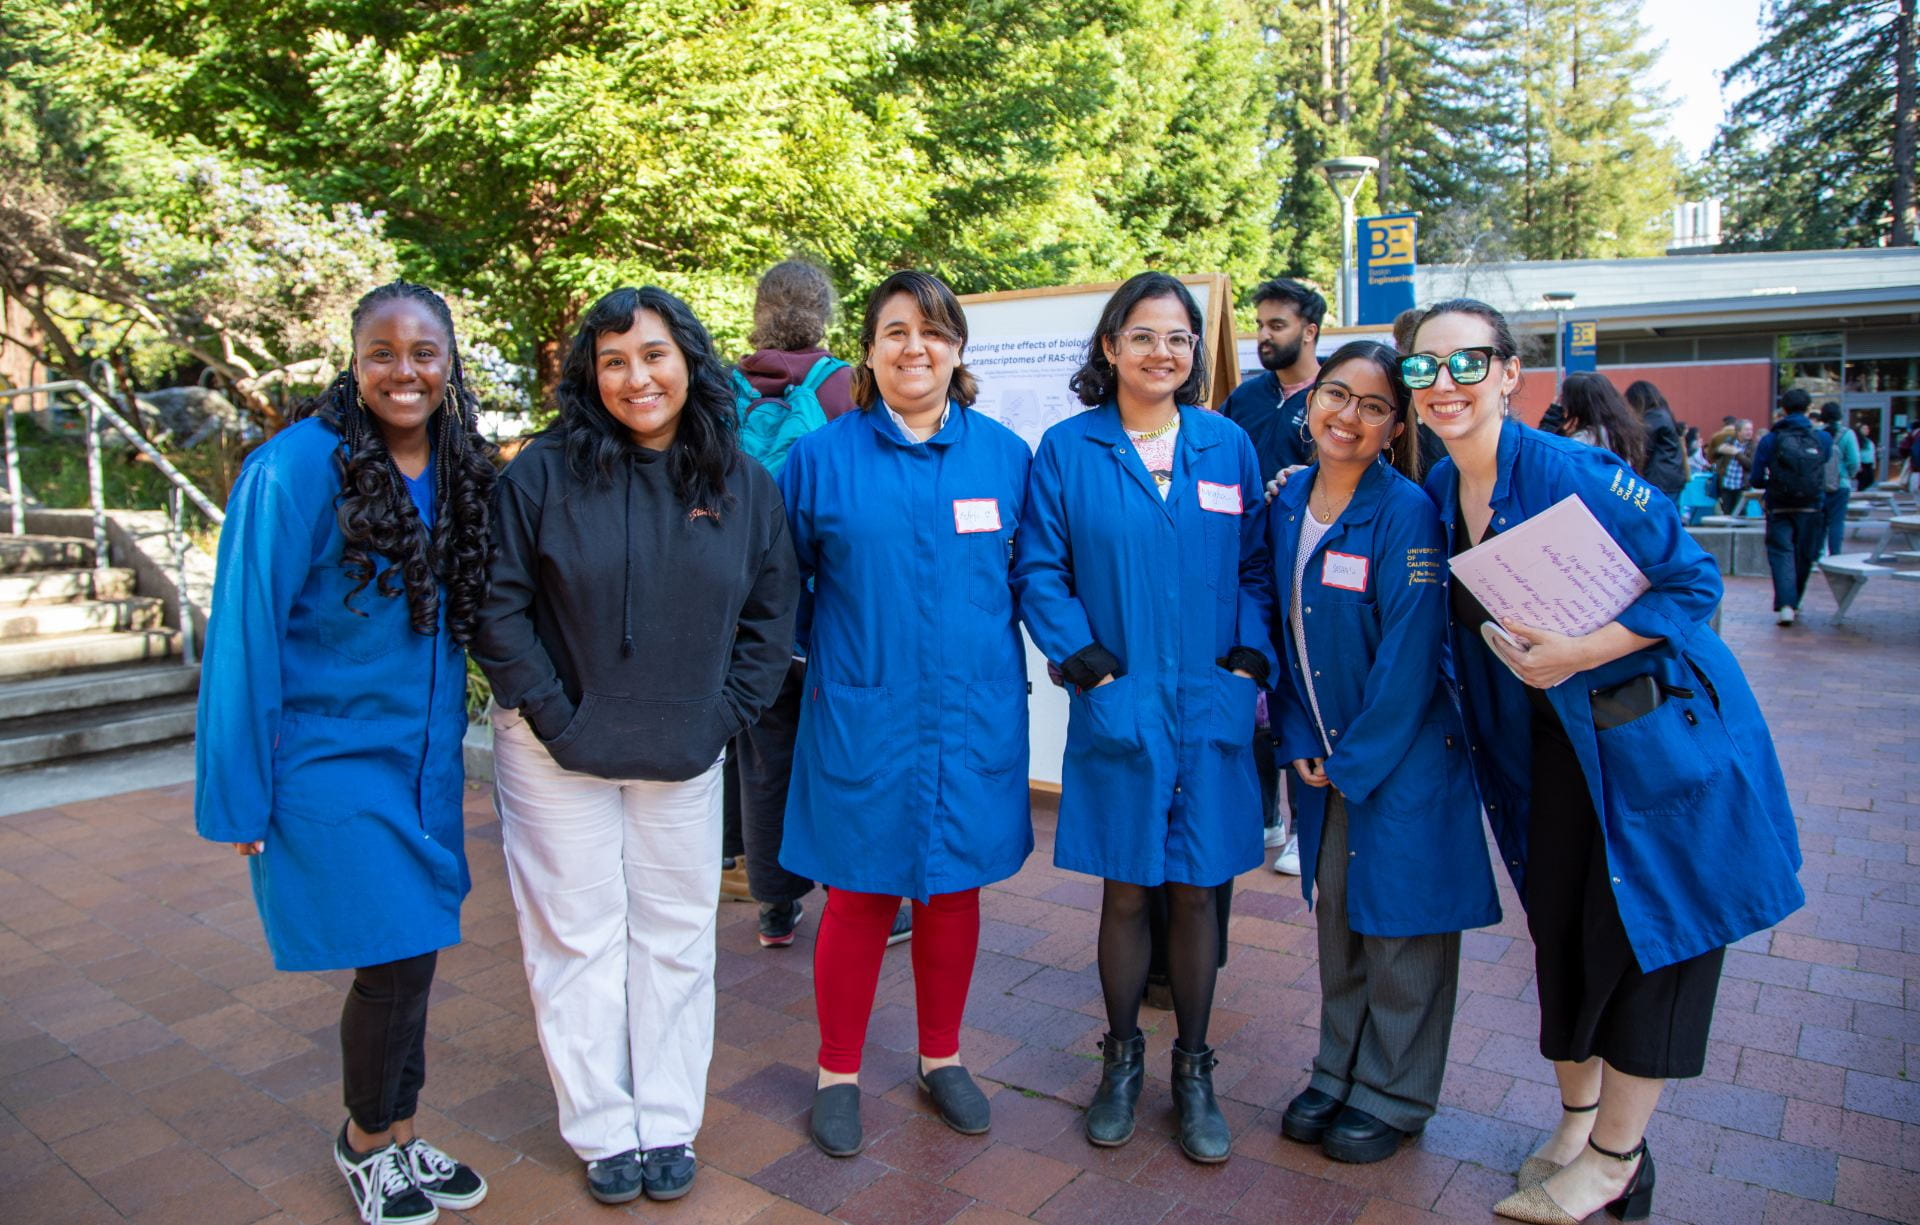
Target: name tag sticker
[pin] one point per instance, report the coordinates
(1345, 571)
(976, 515)
(1221, 499)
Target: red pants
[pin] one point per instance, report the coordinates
(846, 969)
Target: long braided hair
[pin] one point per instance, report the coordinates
(376, 515)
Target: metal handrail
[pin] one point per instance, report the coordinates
(98, 411)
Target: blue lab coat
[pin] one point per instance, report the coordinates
(1701, 844)
(333, 737)
(1159, 782)
(910, 770)
(1417, 859)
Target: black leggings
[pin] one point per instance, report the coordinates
(1193, 953)
(383, 1041)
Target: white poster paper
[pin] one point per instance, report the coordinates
(1559, 570)
(1024, 347)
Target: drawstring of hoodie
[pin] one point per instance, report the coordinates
(626, 577)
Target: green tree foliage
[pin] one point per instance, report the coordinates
(1811, 155)
(1595, 180)
(116, 240)
(531, 154)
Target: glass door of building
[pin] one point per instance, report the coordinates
(1887, 417)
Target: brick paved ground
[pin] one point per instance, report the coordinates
(153, 1065)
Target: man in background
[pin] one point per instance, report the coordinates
(1790, 466)
(1271, 406)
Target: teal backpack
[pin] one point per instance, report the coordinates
(770, 425)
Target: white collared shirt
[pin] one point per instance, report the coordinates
(906, 431)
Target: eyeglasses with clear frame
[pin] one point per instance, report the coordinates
(1142, 342)
(1332, 399)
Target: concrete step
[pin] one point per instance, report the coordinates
(22, 554)
(53, 737)
(53, 695)
(44, 656)
(64, 586)
(50, 620)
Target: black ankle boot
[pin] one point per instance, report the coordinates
(1203, 1129)
(1122, 1072)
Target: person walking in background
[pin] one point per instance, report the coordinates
(910, 775)
(1731, 450)
(1869, 470)
(616, 693)
(786, 388)
(1389, 818)
(1639, 805)
(1843, 460)
(1593, 413)
(1140, 569)
(1789, 467)
(1665, 466)
(332, 706)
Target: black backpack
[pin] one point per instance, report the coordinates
(1797, 475)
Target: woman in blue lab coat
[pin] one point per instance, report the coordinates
(1388, 819)
(332, 706)
(1141, 570)
(1628, 775)
(910, 772)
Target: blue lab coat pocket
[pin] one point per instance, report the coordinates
(1664, 762)
(852, 726)
(996, 725)
(1105, 717)
(1233, 710)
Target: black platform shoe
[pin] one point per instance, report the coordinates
(1309, 1115)
(1359, 1138)
(1203, 1129)
(1122, 1073)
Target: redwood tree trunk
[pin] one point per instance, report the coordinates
(1903, 130)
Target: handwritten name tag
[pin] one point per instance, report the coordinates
(1345, 571)
(976, 515)
(1221, 499)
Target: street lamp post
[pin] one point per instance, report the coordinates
(1560, 302)
(1345, 175)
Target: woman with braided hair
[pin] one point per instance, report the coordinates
(332, 704)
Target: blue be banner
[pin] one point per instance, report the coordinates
(1387, 266)
(1580, 347)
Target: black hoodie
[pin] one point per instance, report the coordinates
(635, 637)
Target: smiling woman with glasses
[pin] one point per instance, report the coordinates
(1387, 816)
(1639, 804)
(1139, 568)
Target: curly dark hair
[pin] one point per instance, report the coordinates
(792, 306)
(707, 440)
(1096, 381)
(376, 515)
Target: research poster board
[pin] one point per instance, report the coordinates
(1023, 346)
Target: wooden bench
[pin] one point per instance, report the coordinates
(1848, 573)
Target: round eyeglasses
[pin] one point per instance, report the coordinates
(1141, 342)
(1332, 399)
(1467, 366)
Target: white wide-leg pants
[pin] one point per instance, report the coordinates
(617, 884)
